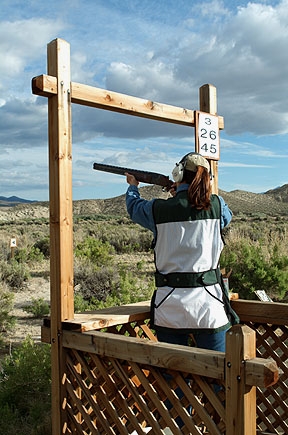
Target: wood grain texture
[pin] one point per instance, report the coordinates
(108, 100)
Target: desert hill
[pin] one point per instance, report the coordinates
(271, 203)
(280, 193)
(12, 201)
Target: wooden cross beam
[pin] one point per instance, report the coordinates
(46, 86)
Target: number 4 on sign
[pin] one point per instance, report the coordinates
(207, 141)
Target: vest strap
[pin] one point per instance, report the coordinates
(188, 279)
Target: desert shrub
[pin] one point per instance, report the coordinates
(25, 390)
(131, 289)
(105, 287)
(44, 246)
(125, 241)
(38, 308)
(14, 274)
(97, 251)
(7, 321)
(256, 267)
(4, 250)
(28, 255)
(81, 304)
(94, 282)
(123, 235)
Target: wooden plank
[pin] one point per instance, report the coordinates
(261, 312)
(261, 372)
(199, 361)
(45, 334)
(240, 402)
(61, 233)
(109, 317)
(108, 100)
(258, 371)
(208, 103)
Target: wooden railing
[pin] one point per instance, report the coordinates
(119, 379)
(270, 322)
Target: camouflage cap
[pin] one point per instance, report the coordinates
(193, 160)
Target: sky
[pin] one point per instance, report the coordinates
(161, 50)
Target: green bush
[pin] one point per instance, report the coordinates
(105, 287)
(94, 282)
(25, 255)
(98, 252)
(44, 246)
(38, 308)
(7, 321)
(81, 304)
(127, 290)
(127, 239)
(256, 267)
(14, 274)
(25, 390)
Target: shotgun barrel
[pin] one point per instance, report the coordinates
(141, 176)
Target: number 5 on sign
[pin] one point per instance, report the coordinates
(207, 141)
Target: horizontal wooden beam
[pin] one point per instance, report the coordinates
(175, 357)
(46, 86)
(258, 371)
(261, 312)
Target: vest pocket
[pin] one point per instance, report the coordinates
(164, 299)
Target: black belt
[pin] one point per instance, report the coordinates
(188, 279)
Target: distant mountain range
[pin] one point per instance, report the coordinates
(274, 202)
(12, 201)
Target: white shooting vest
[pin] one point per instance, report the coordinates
(188, 243)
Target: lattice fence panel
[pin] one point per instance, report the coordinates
(139, 329)
(112, 396)
(272, 402)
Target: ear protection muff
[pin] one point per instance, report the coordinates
(178, 172)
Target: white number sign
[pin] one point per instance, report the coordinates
(208, 136)
(13, 243)
(262, 295)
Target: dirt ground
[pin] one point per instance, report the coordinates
(37, 287)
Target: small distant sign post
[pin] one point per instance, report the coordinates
(13, 245)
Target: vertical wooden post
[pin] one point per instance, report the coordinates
(61, 219)
(208, 103)
(240, 400)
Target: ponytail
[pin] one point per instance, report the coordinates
(199, 191)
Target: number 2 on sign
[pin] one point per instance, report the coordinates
(208, 136)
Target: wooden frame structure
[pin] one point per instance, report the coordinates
(103, 381)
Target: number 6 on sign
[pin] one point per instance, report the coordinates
(207, 135)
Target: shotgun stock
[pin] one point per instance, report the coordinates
(142, 176)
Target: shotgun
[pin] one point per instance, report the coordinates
(142, 176)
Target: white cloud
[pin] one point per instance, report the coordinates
(22, 40)
(21, 43)
(211, 9)
(250, 148)
(247, 63)
(241, 165)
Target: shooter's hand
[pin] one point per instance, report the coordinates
(131, 180)
(173, 189)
